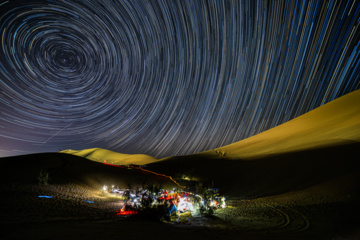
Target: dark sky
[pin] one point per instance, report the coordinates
(167, 77)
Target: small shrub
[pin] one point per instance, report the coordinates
(43, 177)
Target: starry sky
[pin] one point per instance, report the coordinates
(167, 77)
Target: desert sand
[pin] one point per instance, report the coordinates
(300, 180)
(104, 155)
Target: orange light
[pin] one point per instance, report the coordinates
(123, 212)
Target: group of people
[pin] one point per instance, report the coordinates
(166, 201)
(168, 206)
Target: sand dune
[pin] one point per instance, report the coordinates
(103, 155)
(317, 147)
(335, 123)
(66, 168)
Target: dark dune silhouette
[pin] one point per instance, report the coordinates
(272, 174)
(66, 168)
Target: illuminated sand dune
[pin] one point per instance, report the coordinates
(107, 156)
(334, 123)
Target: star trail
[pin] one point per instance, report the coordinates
(167, 77)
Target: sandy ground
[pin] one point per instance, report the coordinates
(68, 216)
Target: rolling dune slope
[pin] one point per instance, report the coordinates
(335, 123)
(69, 169)
(103, 155)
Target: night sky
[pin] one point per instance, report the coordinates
(167, 77)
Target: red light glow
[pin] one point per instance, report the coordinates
(128, 212)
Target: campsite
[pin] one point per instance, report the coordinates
(309, 193)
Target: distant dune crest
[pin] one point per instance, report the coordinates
(111, 157)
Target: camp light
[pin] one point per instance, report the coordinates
(184, 205)
(223, 204)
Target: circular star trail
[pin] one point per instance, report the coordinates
(167, 78)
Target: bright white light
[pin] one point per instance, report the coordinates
(104, 188)
(223, 204)
(184, 205)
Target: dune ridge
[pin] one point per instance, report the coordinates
(107, 156)
(335, 123)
